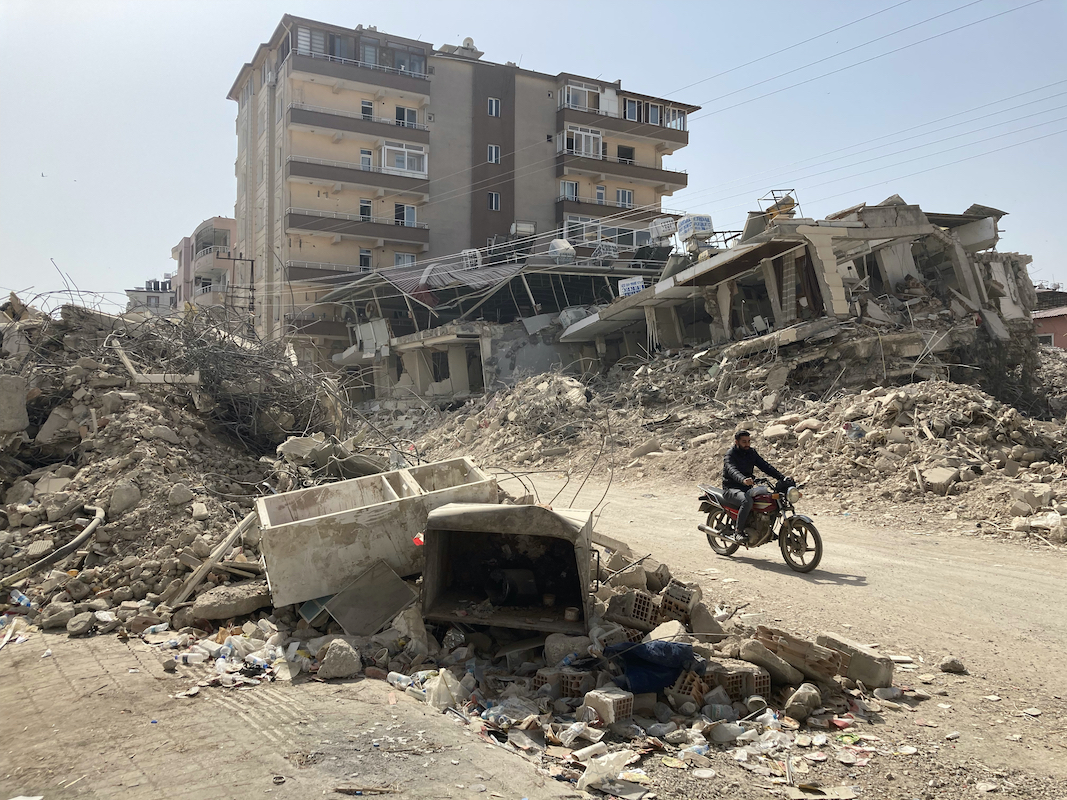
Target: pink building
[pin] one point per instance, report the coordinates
(1051, 326)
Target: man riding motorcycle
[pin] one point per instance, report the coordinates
(738, 481)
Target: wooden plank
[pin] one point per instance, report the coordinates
(201, 572)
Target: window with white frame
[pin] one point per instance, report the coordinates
(407, 117)
(624, 198)
(568, 190)
(403, 259)
(404, 214)
(582, 96)
(632, 109)
(1045, 338)
(364, 260)
(397, 156)
(581, 230)
(366, 208)
(152, 300)
(367, 109)
(581, 141)
(587, 231)
(493, 156)
(366, 159)
(601, 195)
(655, 114)
(494, 106)
(676, 119)
(494, 201)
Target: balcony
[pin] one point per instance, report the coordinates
(327, 69)
(310, 325)
(352, 122)
(333, 223)
(211, 294)
(672, 138)
(571, 162)
(210, 261)
(589, 207)
(321, 169)
(312, 270)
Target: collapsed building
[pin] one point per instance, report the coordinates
(889, 281)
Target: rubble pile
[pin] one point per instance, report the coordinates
(1051, 375)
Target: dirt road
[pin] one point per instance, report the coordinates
(999, 606)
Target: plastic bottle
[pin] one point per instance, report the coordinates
(587, 753)
(221, 666)
(160, 628)
(417, 693)
(190, 658)
(19, 599)
(399, 680)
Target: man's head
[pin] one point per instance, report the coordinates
(743, 439)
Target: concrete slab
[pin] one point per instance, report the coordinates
(370, 601)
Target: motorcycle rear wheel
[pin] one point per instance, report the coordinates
(717, 520)
(801, 546)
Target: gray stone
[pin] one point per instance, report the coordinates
(56, 615)
(122, 594)
(13, 416)
(81, 623)
(670, 631)
(111, 402)
(164, 433)
(940, 479)
(20, 493)
(952, 664)
(773, 432)
(179, 494)
(342, 661)
(235, 600)
(125, 496)
(200, 512)
(780, 670)
(78, 590)
(1020, 508)
(704, 625)
(865, 664)
(57, 422)
(201, 547)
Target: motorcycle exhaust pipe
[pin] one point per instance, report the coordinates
(706, 529)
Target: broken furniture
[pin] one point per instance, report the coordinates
(315, 541)
(471, 548)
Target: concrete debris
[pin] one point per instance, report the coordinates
(235, 600)
(341, 661)
(953, 665)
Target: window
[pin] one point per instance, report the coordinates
(626, 154)
(568, 190)
(407, 117)
(368, 51)
(152, 300)
(494, 106)
(341, 46)
(404, 215)
(408, 60)
(624, 198)
(582, 141)
(581, 96)
(403, 259)
(632, 110)
(601, 195)
(367, 108)
(581, 230)
(366, 159)
(675, 119)
(366, 210)
(364, 260)
(1045, 338)
(404, 157)
(494, 201)
(655, 114)
(494, 154)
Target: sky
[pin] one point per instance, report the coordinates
(116, 137)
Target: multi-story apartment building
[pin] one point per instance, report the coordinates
(363, 151)
(155, 297)
(207, 273)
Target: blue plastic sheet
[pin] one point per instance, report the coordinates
(651, 666)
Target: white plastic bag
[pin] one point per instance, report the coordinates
(444, 690)
(603, 768)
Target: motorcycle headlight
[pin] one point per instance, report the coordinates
(793, 494)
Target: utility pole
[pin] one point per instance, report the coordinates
(251, 286)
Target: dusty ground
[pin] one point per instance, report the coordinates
(82, 716)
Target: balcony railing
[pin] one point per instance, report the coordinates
(616, 115)
(365, 65)
(405, 173)
(209, 288)
(356, 115)
(629, 206)
(599, 157)
(310, 212)
(322, 265)
(213, 249)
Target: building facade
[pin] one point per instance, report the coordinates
(156, 297)
(361, 151)
(207, 273)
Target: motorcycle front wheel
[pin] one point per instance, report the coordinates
(717, 520)
(801, 545)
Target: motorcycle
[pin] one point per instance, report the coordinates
(773, 517)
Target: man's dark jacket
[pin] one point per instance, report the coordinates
(740, 464)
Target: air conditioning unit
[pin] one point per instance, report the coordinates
(472, 258)
(561, 251)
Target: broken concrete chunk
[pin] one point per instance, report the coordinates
(13, 416)
(179, 494)
(780, 670)
(651, 446)
(200, 512)
(56, 615)
(704, 625)
(952, 664)
(773, 432)
(125, 496)
(50, 484)
(342, 660)
(940, 479)
(235, 600)
(558, 646)
(81, 623)
(670, 631)
(164, 433)
(865, 664)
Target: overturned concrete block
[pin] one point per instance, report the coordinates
(1020, 508)
(940, 479)
(704, 625)
(235, 600)
(875, 671)
(13, 416)
(342, 660)
(780, 670)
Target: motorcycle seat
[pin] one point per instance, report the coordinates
(719, 496)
